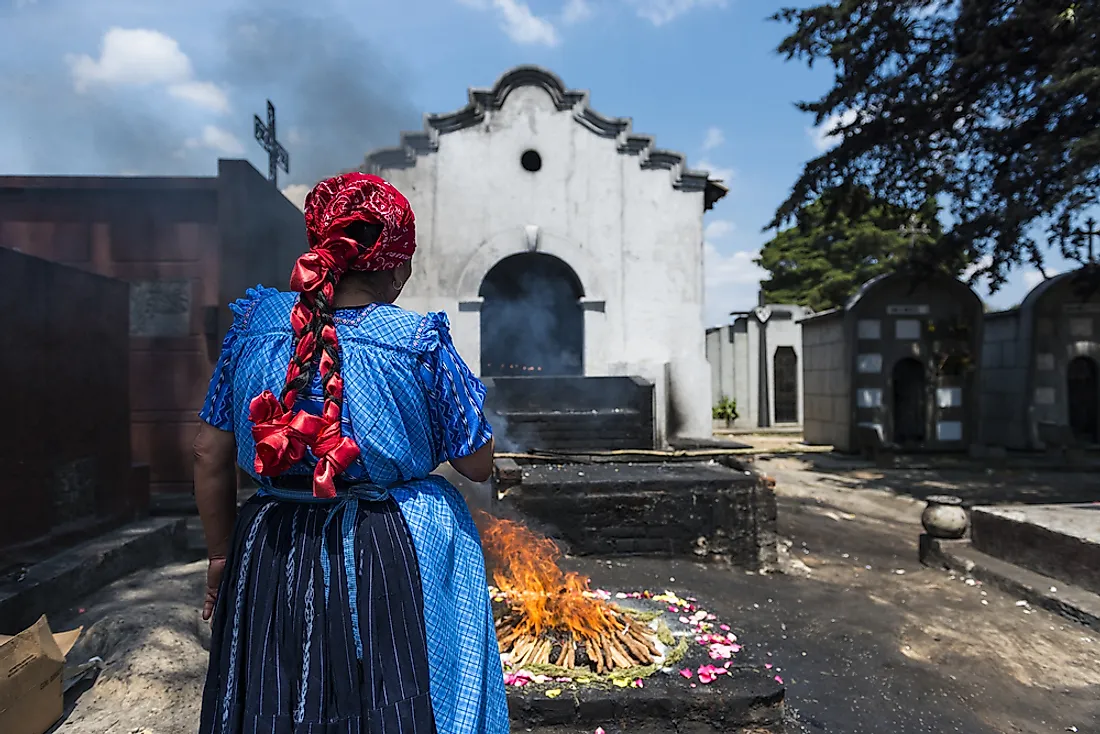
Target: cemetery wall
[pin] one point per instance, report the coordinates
(64, 439)
(826, 367)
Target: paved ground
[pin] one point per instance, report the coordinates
(865, 638)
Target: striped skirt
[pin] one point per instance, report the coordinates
(299, 645)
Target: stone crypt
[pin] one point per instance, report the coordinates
(561, 243)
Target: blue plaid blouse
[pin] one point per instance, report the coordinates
(411, 403)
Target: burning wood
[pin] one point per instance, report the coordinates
(552, 618)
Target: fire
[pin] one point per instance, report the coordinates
(525, 567)
(553, 617)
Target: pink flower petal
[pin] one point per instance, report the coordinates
(686, 672)
(599, 730)
(778, 680)
(768, 666)
(692, 685)
(724, 627)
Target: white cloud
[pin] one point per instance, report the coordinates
(983, 262)
(575, 11)
(518, 22)
(297, 194)
(202, 94)
(131, 57)
(717, 173)
(1033, 278)
(218, 140)
(141, 57)
(822, 136)
(714, 138)
(659, 12)
(732, 282)
(523, 26)
(717, 229)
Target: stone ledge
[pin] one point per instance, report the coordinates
(744, 698)
(1071, 602)
(57, 582)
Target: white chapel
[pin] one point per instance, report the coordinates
(560, 242)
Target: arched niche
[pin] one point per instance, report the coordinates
(532, 318)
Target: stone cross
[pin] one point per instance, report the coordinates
(276, 154)
(1089, 234)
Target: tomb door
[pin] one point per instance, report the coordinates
(785, 364)
(910, 402)
(1083, 395)
(532, 322)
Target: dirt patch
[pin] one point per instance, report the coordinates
(146, 629)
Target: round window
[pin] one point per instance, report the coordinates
(531, 161)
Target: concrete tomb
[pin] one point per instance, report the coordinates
(896, 367)
(766, 341)
(561, 243)
(1040, 375)
(186, 247)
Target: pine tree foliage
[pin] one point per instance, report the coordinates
(842, 240)
(991, 107)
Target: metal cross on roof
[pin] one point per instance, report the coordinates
(276, 153)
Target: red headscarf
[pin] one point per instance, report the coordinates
(281, 433)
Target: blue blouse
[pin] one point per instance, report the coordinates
(411, 403)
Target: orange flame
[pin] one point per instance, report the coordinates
(524, 565)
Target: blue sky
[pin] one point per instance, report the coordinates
(144, 87)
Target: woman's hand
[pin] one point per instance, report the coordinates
(213, 581)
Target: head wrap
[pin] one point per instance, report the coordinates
(334, 204)
(283, 434)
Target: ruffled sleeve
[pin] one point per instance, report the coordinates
(217, 408)
(456, 398)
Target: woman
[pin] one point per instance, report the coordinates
(349, 595)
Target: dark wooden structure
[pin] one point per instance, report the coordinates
(65, 463)
(187, 247)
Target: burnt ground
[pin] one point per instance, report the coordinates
(865, 638)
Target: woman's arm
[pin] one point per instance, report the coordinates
(216, 497)
(478, 466)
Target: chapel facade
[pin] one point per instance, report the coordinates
(559, 242)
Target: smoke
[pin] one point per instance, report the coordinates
(153, 98)
(531, 322)
(334, 96)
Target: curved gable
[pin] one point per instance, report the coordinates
(482, 102)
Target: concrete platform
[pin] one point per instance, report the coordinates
(1061, 542)
(1066, 600)
(56, 583)
(699, 510)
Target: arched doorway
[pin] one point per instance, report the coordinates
(785, 367)
(910, 402)
(532, 323)
(1083, 396)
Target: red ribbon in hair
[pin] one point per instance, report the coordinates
(281, 436)
(312, 269)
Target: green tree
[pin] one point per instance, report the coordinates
(992, 107)
(840, 241)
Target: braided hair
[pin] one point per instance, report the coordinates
(355, 222)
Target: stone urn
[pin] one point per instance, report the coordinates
(945, 517)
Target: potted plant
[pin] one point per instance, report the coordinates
(725, 410)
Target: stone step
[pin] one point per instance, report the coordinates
(1058, 541)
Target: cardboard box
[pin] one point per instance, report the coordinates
(31, 674)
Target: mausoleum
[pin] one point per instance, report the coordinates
(764, 342)
(1039, 366)
(560, 242)
(896, 366)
